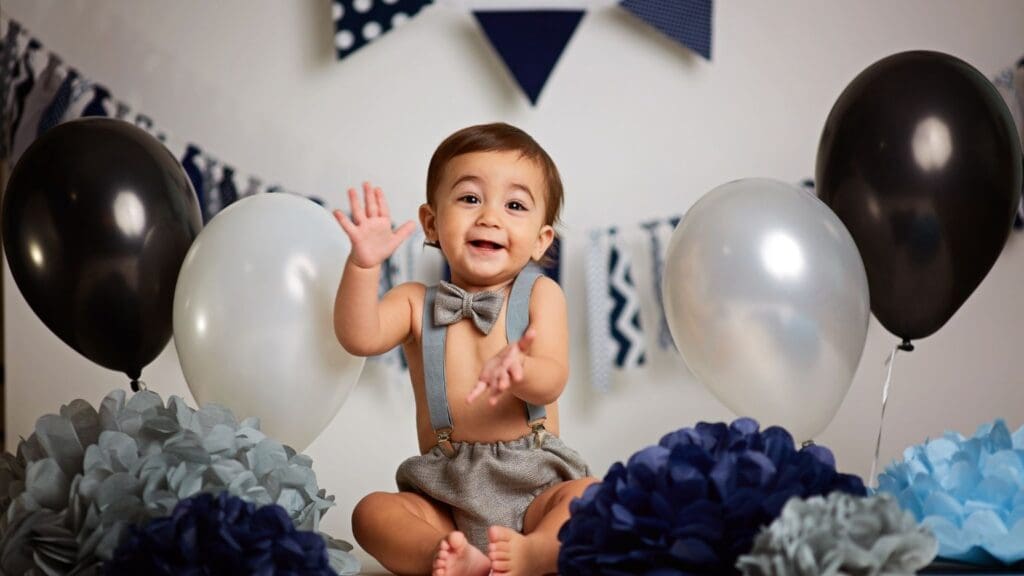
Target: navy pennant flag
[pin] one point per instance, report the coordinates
(359, 22)
(685, 21)
(530, 42)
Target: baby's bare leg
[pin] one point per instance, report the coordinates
(402, 531)
(535, 551)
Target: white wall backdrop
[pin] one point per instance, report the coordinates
(639, 128)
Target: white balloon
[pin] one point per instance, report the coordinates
(253, 316)
(766, 297)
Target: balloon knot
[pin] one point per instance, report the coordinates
(906, 346)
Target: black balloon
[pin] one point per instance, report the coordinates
(920, 160)
(97, 218)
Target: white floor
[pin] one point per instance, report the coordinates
(373, 568)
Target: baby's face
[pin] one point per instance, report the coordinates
(488, 217)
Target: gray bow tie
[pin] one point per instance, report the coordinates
(453, 304)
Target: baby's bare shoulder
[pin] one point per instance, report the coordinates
(409, 293)
(547, 292)
(411, 290)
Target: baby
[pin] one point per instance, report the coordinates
(488, 357)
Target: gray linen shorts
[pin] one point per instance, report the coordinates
(488, 484)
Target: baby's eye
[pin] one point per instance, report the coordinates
(516, 205)
(469, 199)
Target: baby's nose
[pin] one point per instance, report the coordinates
(488, 217)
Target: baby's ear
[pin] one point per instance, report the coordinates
(544, 240)
(428, 222)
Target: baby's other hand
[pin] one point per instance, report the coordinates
(369, 229)
(503, 370)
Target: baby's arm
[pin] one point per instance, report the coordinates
(536, 368)
(364, 324)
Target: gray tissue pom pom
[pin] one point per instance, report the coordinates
(83, 477)
(838, 536)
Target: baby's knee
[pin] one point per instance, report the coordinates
(367, 510)
(576, 488)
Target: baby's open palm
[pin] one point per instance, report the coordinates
(369, 229)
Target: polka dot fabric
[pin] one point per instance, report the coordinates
(359, 22)
(685, 21)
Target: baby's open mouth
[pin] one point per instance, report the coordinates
(486, 244)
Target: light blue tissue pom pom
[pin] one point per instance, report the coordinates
(968, 491)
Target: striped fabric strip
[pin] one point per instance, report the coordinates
(58, 107)
(227, 188)
(659, 232)
(97, 106)
(1010, 85)
(43, 92)
(9, 53)
(625, 325)
(22, 81)
(190, 161)
(599, 308)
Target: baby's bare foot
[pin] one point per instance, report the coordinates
(457, 557)
(513, 554)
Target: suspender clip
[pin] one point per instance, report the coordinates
(539, 432)
(444, 441)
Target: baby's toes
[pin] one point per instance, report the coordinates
(498, 551)
(500, 566)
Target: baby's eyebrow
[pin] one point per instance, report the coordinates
(478, 180)
(467, 178)
(524, 188)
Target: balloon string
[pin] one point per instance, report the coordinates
(890, 362)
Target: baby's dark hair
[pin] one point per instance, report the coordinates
(497, 137)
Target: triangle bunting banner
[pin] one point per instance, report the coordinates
(530, 42)
(685, 21)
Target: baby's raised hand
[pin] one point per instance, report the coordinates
(503, 370)
(369, 229)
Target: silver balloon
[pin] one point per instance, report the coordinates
(767, 300)
(254, 316)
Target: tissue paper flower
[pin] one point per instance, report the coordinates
(841, 535)
(84, 476)
(694, 502)
(220, 535)
(968, 491)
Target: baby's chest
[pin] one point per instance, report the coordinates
(467, 352)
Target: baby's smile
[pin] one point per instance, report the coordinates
(485, 246)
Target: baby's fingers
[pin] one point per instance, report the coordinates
(476, 391)
(346, 224)
(355, 208)
(370, 197)
(382, 204)
(516, 372)
(500, 388)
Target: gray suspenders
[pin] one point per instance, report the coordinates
(517, 318)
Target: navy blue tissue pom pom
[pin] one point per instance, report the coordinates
(220, 534)
(694, 502)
